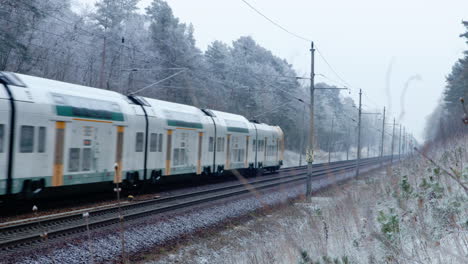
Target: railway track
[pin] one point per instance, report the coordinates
(29, 232)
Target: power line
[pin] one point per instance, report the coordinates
(331, 68)
(331, 80)
(346, 84)
(275, 23)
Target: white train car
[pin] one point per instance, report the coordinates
(64, 134)
(235, 134)
(183, 134)
(69, 137)
(269, 147)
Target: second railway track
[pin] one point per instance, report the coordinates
(19, 234)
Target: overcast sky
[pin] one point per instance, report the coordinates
(359, 38)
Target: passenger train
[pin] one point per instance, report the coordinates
(57, 136)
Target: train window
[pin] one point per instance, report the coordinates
(42, 138)
(211, 144)
(153, 142)
(180, 157)
(160, 142)
(238, 155)
(74, 160)
(237, 150)
(220, 144)
(180, 150)
(139, 142)
(2, 133)
(176, 157)
(86, 166)
(253, 144)
(270, 151)
(27, 139)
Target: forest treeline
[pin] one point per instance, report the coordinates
(446, 120)
(118, 47)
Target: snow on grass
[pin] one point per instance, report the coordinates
(291, 158)
(413, 213)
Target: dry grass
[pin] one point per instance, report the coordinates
(412, 213)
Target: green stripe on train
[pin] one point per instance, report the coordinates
(180, 123)
(64, 110)
(238, 129)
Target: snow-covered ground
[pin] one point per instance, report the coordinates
(152, 232)
(413, 213)
(292, 158)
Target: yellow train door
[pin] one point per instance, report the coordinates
(57, 175)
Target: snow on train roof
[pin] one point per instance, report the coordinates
(165, 105)
(266, 127)
(234, 123)
(229, 116)
(64, 87)
(178, 115)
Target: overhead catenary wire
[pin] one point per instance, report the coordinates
(303, 38)
(160, 81)
(275, 23)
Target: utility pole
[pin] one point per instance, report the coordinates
(404, 141)
(310, 151)
(409, 144)
(330, 139)
(412, 144)
(358, 160)
(393, 140)
(121, 64)
(103, 60)
(347, 144)
(368, 149)
(399, 145)
(301, 147)
(383, 134)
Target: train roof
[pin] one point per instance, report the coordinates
(67, 88)
(165, 105)
(229, 116)
(170, 110)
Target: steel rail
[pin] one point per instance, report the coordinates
(16, 236)
(46, 218)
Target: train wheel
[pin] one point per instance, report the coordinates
(133, 179)
(32, 188)
(27, 188)
(155, 177)
(136, 179)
